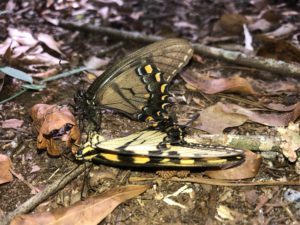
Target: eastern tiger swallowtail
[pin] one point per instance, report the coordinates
(137, 85)
(158, 148)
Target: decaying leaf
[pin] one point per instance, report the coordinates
(233, 23)
(91, 211)
(216, 118)
(54, 125)
(278, 49)
(290, 140)
(247, 169)
(5, 165)
(22, 50)
(235, 84)
(11, 123)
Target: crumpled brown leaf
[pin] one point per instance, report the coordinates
(278, 49)
(11, 123)
(54, 124)
(5, 165)
(232, 23)
(91, 211)
(216, 118)
(235, 84)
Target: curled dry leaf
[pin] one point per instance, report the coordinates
(216, 118)
(5, 165)
(278, 49)
(247, 169)
(234, 84)
(233, 23)
(50, 42)
(290, 137)
(91, 211)
(11, 123)
(55, 124)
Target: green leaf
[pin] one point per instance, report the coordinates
(18, 74)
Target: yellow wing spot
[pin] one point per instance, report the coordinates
(163, 88)
(148, 69)
(164, 97)
(149, 118)
(146, 95)
(164, 105)
(140, 159)
(168, 145)
(187, 161)
(165, 160)
(87, 149)
(213, 161)
(157, 77)
(89, 158)
(158, 113)
(110, 157)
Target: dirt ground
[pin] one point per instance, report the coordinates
(203, 204)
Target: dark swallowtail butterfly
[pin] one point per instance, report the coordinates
(138, 85)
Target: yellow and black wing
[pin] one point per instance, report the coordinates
(137, 85)
(150, 148)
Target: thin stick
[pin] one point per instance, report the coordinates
(275, 66)
(34, 201)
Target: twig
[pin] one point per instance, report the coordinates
(218, 182)
(110, 49)
(34, 201)
(276, 66)
(250, 142)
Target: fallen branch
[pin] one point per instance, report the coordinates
(34, 201)
(250, 142)
(275, 66)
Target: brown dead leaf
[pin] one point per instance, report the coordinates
(91, 211)
(271, 15)
(290, 143)
(282, 108)
(5, 165)
(11, 123)
(247, 169)
(260, 25)
(22, 37)
(284, 31)
(269, 119)
(232, 23)
(235, 84)
(214, 120)
(278, 49)
(53, 124)
(96, 63)
(50, 42)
